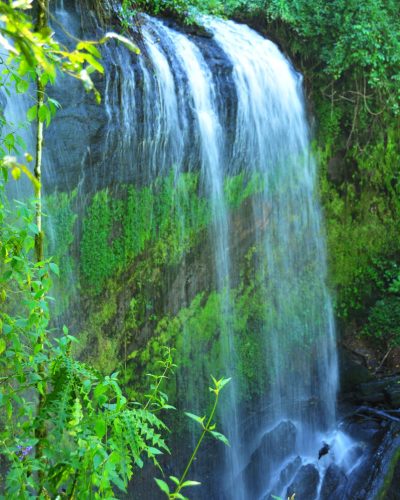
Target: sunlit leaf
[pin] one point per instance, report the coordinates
(162, 485)
(2, 345)
(125, 41)
(190, 483)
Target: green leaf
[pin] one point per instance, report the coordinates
(32, 113)
(43, 110)
(100, 428)
(220, 437)
(97, 460)
(86, 386)
(99, 391)
(197, 419)
(95, 63)
(222, 383)
(162, 485)
(190, 483)
(154, 451)
(89, 47)
(2, 345)
(33, 228)
(44, 114)
(37, 348)
(9, 141)
(22, 86)
(54, 268)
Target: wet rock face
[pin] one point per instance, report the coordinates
(98, 145)
(275, 446)
(375, 473)
(353, 371)
(305, 483)
(382, 391)
(333, 484)
(285, 477)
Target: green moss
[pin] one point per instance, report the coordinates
(239, 188)
(363, 223)
(59, 228)
(202, 336)
(97, 256)
(383, 324)
(102, 347)
(169, 215)
(389, 476)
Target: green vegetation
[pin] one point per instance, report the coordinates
(168, 215)
(59, 221)
(200, 329)
(391, 471)
(65, 427)
(88, 433)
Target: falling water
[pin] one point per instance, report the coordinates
(272, 138)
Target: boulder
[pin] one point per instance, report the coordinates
(333, 483)
(392, 392)
(286, 475)
(274, 447)
(305, 483)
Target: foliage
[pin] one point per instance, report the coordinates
(38, 53)
(59, 222)
(383, 323)
(363, 222)
(167, 216)
(238, 188)
(67, 430)
(94, 434)
(199, 333)
(360, 38)
(185, 10)
(349, 54)
(208, 427)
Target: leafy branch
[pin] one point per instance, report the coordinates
(208, 427)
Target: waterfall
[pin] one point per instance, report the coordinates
(227, 107)
(270, 140)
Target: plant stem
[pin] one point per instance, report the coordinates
(154, 393)
(40, 431)
(206, 428)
